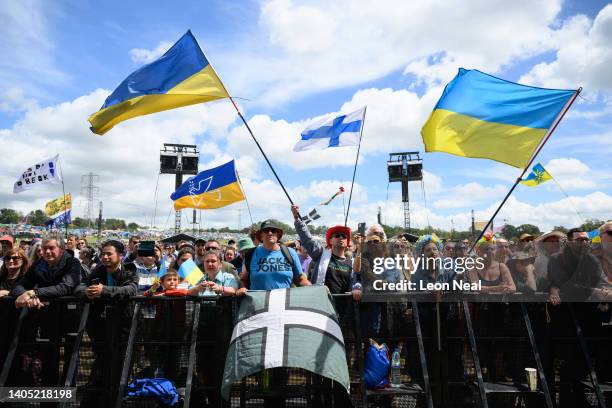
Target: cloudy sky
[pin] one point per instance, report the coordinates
(291, 62)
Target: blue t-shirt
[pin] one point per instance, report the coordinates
(226, 279)
(270, 270)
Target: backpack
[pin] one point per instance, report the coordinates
(249, 256)
(376, 366)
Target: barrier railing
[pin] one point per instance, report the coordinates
(74, 353)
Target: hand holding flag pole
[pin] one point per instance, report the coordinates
(518, 180)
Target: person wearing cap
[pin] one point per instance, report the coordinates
(545, 246)
(270, 265)
(243, 245)
(522, 271)
(200, 250)
(57, 274)
(575, 274)
(7, 243)
(330, 266)
(524, 240)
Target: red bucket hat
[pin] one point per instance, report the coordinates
(337, 229)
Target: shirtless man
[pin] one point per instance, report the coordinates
(495, 277)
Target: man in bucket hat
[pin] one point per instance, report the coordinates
(270, 265)
(329, 265)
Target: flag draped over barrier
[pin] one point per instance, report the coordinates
(294, 327)
(212, 188)
(41, 173)
(181, 77)
(479, 115)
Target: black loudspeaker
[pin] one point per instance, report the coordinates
(415, 171)
(190, 164)
(395, 171)
(168, 163)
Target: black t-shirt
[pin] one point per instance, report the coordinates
(338, 276)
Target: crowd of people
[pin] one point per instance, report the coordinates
(567, 267)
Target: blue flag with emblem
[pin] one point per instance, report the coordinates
(343, 130)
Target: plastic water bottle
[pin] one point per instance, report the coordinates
(396, 366)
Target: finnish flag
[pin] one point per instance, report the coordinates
(343, 130)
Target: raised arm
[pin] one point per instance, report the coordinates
(314, 248)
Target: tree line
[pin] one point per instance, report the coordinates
(510, 232)
(39, 218)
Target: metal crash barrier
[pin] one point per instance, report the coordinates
(464, 351)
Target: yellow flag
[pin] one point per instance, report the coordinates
(58, 205)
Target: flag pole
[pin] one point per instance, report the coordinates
(246, 200)
(64, 198)
(344, 208)
(65, 207)
(249, 129)
(550, 132)
(355, 168)
(259, 146)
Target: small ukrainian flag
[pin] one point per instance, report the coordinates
(537, 176)
(190, 272)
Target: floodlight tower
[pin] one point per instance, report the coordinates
(179, 159)
(405, 167)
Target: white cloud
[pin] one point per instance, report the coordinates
(14, 100)
(583, 56)
(354, 42)
(145, 56)
(393, 121)
(470, 194)
(126, 159)
(572, 174)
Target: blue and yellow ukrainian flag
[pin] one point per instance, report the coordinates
(180, 77)
(213, 188)
(537, 176)
(483, 116)
(190, 272)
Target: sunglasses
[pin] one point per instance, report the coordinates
(582, 239)
(609, 233)
(267, 230)
(14, 258)
(341, 236)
